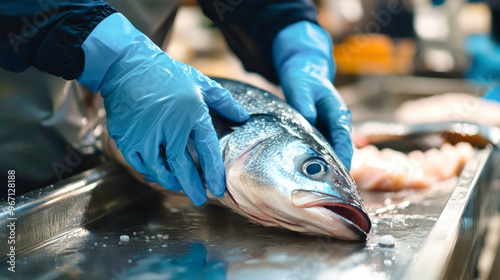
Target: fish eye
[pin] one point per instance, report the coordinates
(315, 168)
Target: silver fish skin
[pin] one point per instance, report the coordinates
(280, 171)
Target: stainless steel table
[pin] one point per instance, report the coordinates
(72, 231)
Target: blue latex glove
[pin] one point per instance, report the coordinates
(485, 59)
(493, 94)
(154, 104)
(302, 54)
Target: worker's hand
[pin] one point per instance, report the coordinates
(493, 94)
(484, 67)
(154, 105)
(302, 54)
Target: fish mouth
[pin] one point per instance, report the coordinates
(320, 217)
(351, 214)
(352, 217)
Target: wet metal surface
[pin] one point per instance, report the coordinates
(171, 239)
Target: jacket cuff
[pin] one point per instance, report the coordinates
(102, 48)
(73, 63)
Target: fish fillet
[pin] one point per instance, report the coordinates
(390, 170)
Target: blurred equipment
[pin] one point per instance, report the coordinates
(372, 37)
(423, 37)
(440, 34)
(374, 54)
(449, 107)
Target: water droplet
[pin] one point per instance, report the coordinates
(129, 261)
(388, 262)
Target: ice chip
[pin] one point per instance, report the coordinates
(124, 238)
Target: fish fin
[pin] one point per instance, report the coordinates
(222, 125)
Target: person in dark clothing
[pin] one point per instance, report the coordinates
(153, 103)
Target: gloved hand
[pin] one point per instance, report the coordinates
(154, 104)
(302, 54)
(484, 55)
(484, 67)
(493, 94)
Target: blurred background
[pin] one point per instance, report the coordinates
(386, 51)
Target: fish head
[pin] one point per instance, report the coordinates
(297, 182)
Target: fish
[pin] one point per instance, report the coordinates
(280, 170)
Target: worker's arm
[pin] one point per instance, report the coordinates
(282, 41)
(154, 104)
(48, 34)
(250, 27)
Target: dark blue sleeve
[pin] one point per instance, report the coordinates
(495, 20)
(250, 26)
(48, 34)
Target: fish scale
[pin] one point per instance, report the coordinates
(259, 103)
